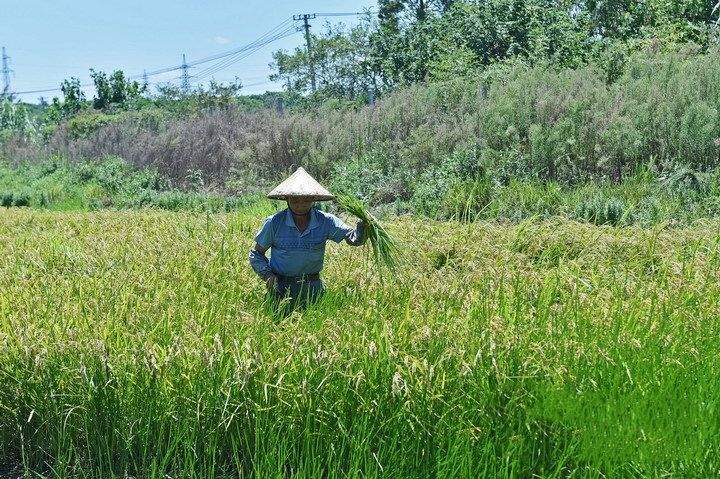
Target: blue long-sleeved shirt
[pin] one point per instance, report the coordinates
(292, 252)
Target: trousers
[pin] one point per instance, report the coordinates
(300, 292)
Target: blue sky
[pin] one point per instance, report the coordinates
(49, 41)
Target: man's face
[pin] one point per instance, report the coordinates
(300, 206)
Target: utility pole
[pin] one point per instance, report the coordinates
(305, 17)
(6, 74)
(185, 77)
(145, 82)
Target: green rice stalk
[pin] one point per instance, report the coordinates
(384, 247)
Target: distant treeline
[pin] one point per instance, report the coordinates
(411, 41)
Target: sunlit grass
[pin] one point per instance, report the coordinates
(136, 344)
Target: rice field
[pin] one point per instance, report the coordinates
(139, 344)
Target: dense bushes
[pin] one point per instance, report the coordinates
(455, 149)
(520, 122)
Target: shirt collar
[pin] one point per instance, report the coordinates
(314, 223)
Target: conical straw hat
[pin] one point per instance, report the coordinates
(300, 185)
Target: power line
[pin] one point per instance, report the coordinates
(258, 83)
(246, 51)
(262, 37)
(159, 71)
(216, 56)
(47, 90)
(344, 14)
(230, 61)
(221, 65)
(230, 57)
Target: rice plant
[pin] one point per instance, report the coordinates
(383, 245)
(135, 344)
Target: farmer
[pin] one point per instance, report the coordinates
(297, 237)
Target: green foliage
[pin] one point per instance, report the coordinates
(364, 177)
(82, 125)
(467, 199)
(523, 199)
(16, 120)
(601, 210)
(339, 58)
(115, 92)
(15, 198)
(216, 96)
(73, 101)
(413, 41)
(384, 247)
(456, 188)
(525, 136)
(176, 200)
(106, 183)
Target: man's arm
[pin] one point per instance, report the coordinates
(261, 265)
(258, 260)
(340, 231)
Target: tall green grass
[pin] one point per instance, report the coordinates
(135, 344)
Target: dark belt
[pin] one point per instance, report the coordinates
(303, 278)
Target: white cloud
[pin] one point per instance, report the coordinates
(222, 40)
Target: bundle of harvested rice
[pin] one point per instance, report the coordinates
(383, 246)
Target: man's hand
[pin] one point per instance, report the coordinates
(362, 228)
(358, 236)
(270, 282)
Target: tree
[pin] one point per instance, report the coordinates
(216, 96)
(415, 40)
(73, 97)
(400, 46)
(340, 59)
(15, 119)
(115, 92)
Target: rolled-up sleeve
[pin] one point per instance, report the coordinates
(264, 236)
(339, 231)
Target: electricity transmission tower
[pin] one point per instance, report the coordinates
(305, 17)
(6, 74)
(185, 85)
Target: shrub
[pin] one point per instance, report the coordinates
(456, 187)
(81, 126)
(518, 121)
(521, 199)
(21, 198)
(361, 176)
(6, 197)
